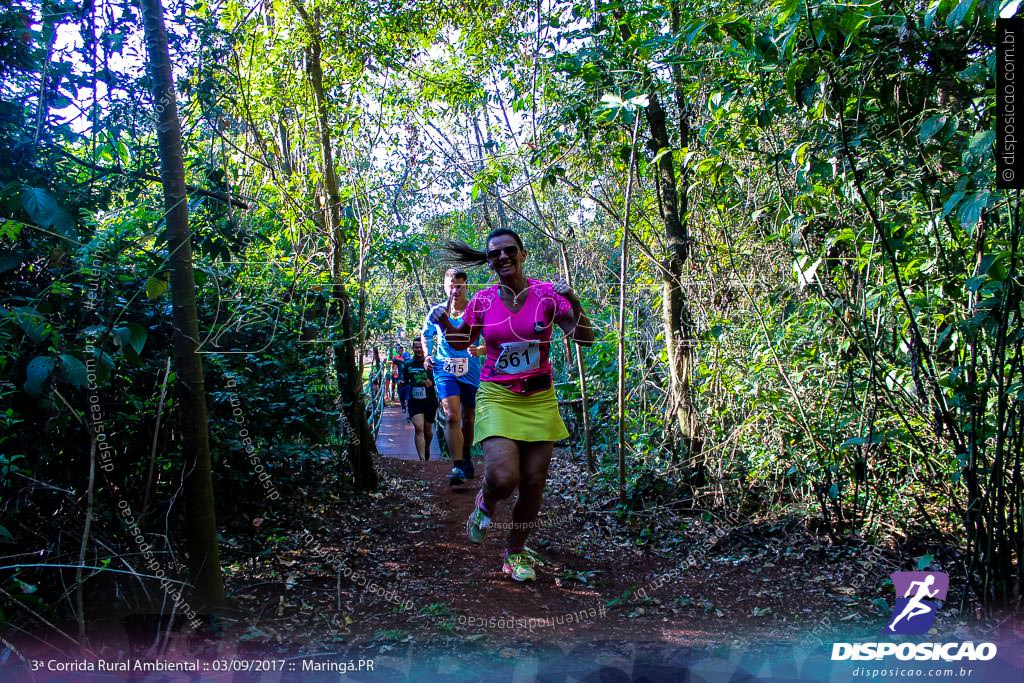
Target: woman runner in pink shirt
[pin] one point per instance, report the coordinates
(517, 411)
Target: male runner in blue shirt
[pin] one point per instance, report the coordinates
(456, 378)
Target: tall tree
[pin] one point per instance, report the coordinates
(361, 444)
(200, 517)
(677, 321)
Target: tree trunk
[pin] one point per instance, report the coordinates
(581, 369)
(481, 155)
(498, 206)
(621, 346)
(676, 310)
(361, 446)
(200, 518)
(692, 437)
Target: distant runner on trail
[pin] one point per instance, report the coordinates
(517, 414)
(396, 371)
(456, 377)
(391, 373)
(422, 399)
(403, 384)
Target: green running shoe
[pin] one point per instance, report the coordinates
(519, 566)
(537, 558)
(477, 525)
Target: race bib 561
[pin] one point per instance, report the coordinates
(517, 357)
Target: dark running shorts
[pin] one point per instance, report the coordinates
(423, 406)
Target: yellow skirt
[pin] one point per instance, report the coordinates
(501, 412)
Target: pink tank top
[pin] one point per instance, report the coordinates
(518, 344)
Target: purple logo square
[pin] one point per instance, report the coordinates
(918, 597)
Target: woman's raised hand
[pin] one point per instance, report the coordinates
(562, 288)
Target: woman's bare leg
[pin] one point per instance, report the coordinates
(534, 460)
(501, 471)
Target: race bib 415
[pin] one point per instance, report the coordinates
(456, 366)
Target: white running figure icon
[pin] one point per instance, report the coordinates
(915, 608)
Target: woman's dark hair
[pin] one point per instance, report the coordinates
(460, 253)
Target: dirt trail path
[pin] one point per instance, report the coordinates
(395, 567)
(461, 585)
(467, 578)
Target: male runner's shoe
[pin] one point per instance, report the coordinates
(519, 566)
(478, 523)
(456, 476)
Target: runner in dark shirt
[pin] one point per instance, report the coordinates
(422, 399)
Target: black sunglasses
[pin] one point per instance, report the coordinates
(509, 251)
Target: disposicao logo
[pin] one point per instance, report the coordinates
(918, 597)
(922, 595)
